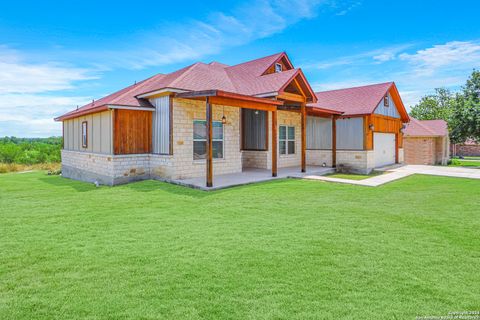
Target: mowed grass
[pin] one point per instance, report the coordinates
(353, 176)
(287, 249)
(465, 163)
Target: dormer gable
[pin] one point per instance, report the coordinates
(282, 63)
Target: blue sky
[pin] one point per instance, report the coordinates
(55, 55)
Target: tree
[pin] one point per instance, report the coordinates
(436, 106)
(466, 116)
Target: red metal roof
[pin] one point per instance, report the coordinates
(246, 79)
(353, 101)
(426, 128)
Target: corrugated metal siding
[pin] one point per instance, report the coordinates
(254, 129)
(390, 111)
(161, 125)
(350, 134)
(319, 133)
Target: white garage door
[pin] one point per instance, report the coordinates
(384, 149)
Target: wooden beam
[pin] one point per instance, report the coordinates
(170, 120)
(304, 136)
(334, 141)
(274, 143)
(291, 97)
(224, 101)
(209, 155)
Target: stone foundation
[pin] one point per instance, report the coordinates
(319, 157)
(358, 161)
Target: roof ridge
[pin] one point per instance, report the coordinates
(250, 61)
(357, 87)
(182, 75)
(137, 86)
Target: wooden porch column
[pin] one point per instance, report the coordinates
(304, 136)
(209, 155)
(334, 141)
(274, 143)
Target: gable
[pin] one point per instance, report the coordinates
(283, 61)
(390, 110)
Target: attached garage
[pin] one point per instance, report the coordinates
(384, 149)
(368, 132)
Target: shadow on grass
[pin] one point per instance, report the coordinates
(59, 181)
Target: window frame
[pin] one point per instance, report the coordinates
(287, 140)
(205, 140)
(278, 67)
(386, 101)
(85, 134)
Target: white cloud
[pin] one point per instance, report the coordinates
(20, 76)
(219, 30)
(363, 58)
(453, 55)
(31, 115)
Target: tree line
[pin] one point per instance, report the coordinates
(461, 110)
(30, 151)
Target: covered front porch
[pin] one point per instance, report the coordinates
(253, 175)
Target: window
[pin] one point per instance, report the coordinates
(386, 101)
(278, 67)
(84, 135)
(200, 139)
(286, 140)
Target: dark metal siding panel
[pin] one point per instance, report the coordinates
(319, 133)
(350, 134)
(254, 129)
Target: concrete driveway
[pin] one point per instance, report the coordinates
(439, 171)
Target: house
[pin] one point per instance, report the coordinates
(426, 142)
(367, 134)
(211, 119)
(470, 148)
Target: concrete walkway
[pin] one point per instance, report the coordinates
(458, 172)
(252, 175)
(397, 172)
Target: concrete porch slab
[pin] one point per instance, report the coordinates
(252, 175)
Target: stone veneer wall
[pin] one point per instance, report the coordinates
(360, 161)
(184, 112)
(117, 169)
(319, 157)
(263, 159)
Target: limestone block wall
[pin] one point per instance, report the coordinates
(184, 112)
(291, 119)
(360, 161)
(319, 157)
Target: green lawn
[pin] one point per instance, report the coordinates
(287, 249)
(352, 176)
(465, 163)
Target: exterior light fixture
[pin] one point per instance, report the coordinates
(371, 127)
(256, 112)
(224, 119)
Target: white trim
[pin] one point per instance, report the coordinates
(130, 108)
(145, 95)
